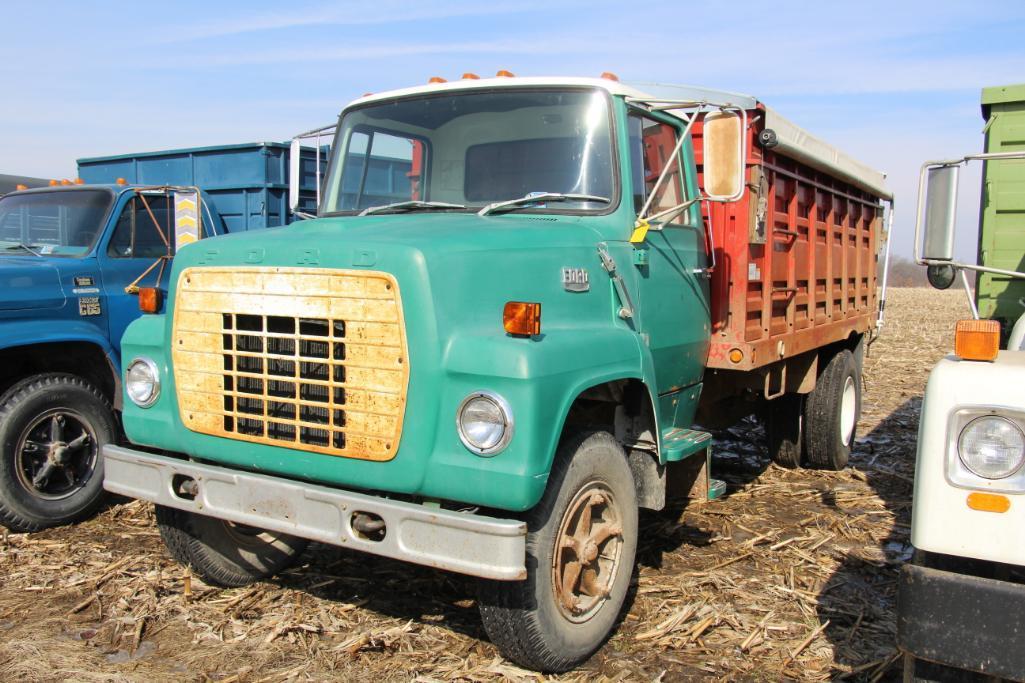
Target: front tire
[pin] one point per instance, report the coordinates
(831, 413)
(52, 429)
(581, 544)
(223, 553)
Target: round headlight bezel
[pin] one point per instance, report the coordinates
(154, 372)
(1017, 464)
(503, 408)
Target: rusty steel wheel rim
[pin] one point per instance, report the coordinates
(56, 454)
(588, 552)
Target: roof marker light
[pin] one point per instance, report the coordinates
(20, 187)
(470, 76)
(437, 79)
(121, 181)
(65, 182)
(609, 76)
(502, 73)
(54, 183)
(79, 181)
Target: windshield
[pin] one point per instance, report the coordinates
(473, 149)
(63, 223)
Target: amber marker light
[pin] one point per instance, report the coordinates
(470, 76)
(79, 181)
(736, 355)
(121, 181)
(609, 76)
(437, 79)
(502, 73)
(54, 183)
(521, 318)
(988, 502)
(20, 187)
(149, 299)
(977, 339)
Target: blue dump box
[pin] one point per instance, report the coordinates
(247, 183)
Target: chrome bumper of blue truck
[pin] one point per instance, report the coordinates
(466, 543)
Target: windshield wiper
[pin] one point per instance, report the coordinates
(409, 206)
(25, 247)
(540, 197)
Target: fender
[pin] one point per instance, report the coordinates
(564, 362)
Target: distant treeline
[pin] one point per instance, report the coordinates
(904, 273)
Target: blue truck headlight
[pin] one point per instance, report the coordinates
(991, 447)
(484, 421)
(142, 382)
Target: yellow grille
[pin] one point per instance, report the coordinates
(312, 359)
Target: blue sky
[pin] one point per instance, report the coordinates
(892, 83)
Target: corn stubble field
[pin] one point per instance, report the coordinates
(791, 576)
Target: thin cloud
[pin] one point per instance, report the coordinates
(344, 14)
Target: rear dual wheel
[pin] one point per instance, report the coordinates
(817, 429)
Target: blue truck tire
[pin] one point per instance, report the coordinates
(52, 429)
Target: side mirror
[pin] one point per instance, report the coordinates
(294, 163)
(941, 276)
(940, 213)
(723, 156)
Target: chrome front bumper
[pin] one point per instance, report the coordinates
(469, 544)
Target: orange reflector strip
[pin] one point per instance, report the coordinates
(988, 502)
(522, 318)
(502, 73)
(977, 339)
(149, 299)
(436, 79)
(609, 76)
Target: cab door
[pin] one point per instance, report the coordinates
(136, 243)
(672, 301)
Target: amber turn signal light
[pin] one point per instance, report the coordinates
(521, 318)
(149, 299)
(977, 339)
(988, 502)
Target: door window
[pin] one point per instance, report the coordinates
(137, 235)
(651, 151)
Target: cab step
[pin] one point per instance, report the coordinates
(679, 443)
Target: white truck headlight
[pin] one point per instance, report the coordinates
(142, 382)
(991, 447)
(484, 421)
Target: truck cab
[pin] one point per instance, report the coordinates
(961, 600)
(74, 258)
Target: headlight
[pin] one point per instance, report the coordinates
(142, 382)
(484, 421)
(991, 447)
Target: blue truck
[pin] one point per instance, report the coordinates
(72, 260)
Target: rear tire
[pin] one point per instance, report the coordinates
(53, 427)
(223, 553)
(831, 413)
(560, 614)
(784, 430)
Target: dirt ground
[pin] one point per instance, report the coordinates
(790, 576)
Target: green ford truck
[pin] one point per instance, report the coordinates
(494, 343)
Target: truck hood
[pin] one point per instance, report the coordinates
(29, 282)
(425, 232)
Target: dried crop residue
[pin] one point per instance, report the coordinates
(791, 576)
